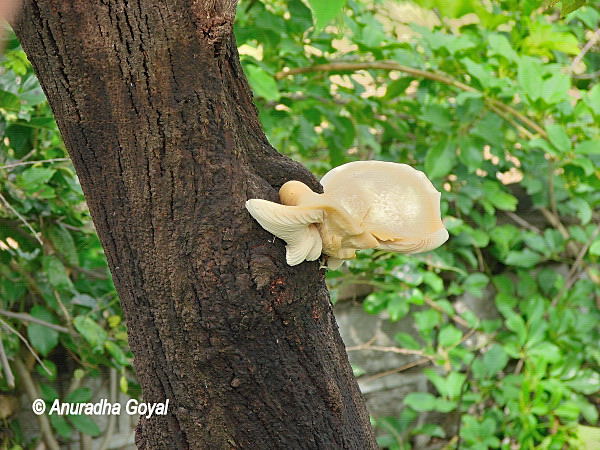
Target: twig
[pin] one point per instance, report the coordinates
(522, 222)
(572, 275)
(8, 375)
(62, 307)
(385, 65)
(460, 399)
(26, 163)
(112, 419)
(33, 394)
(391, 65)
(587, 76)
(21, 218)
(29, 318)
(551, 193)
(382, 348)
(522, 117)
(556, 223)
(506, 117)
(407, 366)
(20, 336)
(586, 48)
(519, 366)
(459, 320)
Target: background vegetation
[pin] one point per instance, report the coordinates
(497, 101)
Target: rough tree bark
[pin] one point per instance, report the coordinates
(158, 119)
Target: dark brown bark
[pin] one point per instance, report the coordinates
(157, 116)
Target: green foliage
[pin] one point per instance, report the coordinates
(57, 276)
(482, 96)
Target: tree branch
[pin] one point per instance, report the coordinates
(25, 163)
(435, 76)
(8, 375)
(572, 275)
(586, 48)
(29, 318)
(33, 394)
(21, 218)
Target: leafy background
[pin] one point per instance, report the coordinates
(497, 101)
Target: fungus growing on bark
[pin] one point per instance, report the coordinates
(365, 204)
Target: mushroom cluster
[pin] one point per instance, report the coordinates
(365, 204)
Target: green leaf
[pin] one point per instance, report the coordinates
(263, 84)
(397, 308)
(438, 116)
(420, 401)
(494, 360)
(324, 11)
(589, 436)
(64, 244)
(585, 164)
(500, 199)
(376, 302)
(454, 384)
(491, 129)
(584, 210)
(85, 424)
(443, 405)
(470, 155)
(529, 75)
(543, 38)
(558, 137)
(116, 352)
(567, 6)
(450, 336)
(592, 99)
(476, 283)
(34, 178)
(48, 393)
(478, 71)
(426, 320)
(440, 160)
(62, 427)
(79, 395)
(42, 338)
(555, 89)
(546, 351)
(586, 381)
(515, 323)
(123, 384)
(430, 429)
(56, 272)
(524, 258)
(9, 101)
(434, 281)
(588, 147)
(48, 366)
(91, 331)
(301, 16)
(407, 341)
(595, 248)
(499, 45)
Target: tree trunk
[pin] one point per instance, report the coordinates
(158, 119)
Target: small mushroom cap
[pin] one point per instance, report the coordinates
(395, 202)
(293, 224)
(291, 193)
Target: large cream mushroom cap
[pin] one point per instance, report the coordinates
(365, 204)
(395, 203)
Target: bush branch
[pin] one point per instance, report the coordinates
(435, 76)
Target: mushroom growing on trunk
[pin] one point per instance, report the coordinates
(365, 204)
